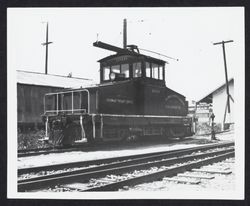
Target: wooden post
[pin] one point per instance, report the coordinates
(227, 86)
(225, 64)
(46, 44)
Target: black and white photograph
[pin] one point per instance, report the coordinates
(126, 103)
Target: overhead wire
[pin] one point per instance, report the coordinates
(150, 33)
(159, 54)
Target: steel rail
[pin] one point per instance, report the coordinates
(159, 175)
(83, 147)
(100, 172)
(50, 150)
(115, 159)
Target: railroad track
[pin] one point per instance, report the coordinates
(93, 147)
(114, 173)
(79, 164)
(49, 150)
(89, 147)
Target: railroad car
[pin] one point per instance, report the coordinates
(130, 102)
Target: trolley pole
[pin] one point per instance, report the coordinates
(225, 64)
(124, 33)
(46, 44)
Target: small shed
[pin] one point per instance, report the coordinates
(218, 100)
(31, 88)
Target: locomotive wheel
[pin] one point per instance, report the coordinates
(123, 135)
(70, 134)
(126, 136)
(177, 132)
(132, 138)
(181, 138)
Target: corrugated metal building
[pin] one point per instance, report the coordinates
(218, 99)
(31, 88)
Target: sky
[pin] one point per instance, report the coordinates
(186, 34)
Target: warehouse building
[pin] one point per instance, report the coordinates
(218, 101)
(31, 88)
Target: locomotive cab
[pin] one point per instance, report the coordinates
(128, 65)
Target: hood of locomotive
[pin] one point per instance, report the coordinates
(140, 96)
(135, 97)
(80, 101)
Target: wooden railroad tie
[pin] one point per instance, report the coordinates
(196, 176)
(212, 171)
(182, 180)
(217, 168)
(229, 161)
(78, 186)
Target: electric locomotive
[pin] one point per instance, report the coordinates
(131, 102)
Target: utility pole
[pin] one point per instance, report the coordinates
(124, 33)
(227, 86)
(46, 44)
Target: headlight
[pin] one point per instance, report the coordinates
(112, 76)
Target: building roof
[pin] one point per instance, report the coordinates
(41, 79)
(208, 97)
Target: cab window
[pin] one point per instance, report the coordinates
(115, 68)
(161, 72)
(137, 69)
(155, 71)
(106, 72)
(148, 69)
(125, 70)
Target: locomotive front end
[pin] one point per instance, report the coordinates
(64, 114)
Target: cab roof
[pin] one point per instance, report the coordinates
(133, 55)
